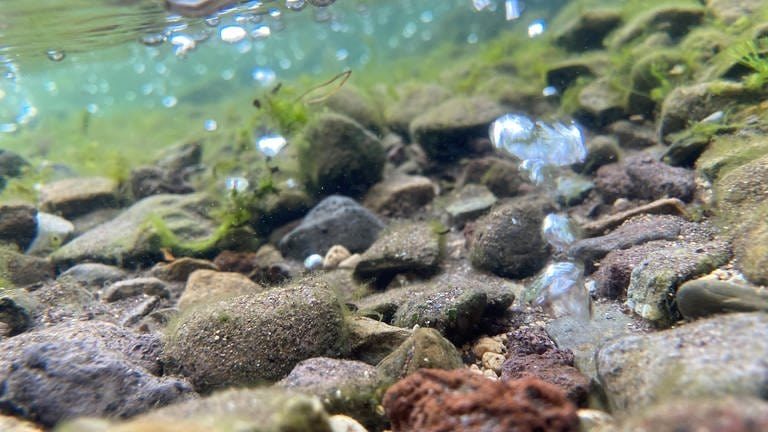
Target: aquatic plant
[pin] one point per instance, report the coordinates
(751, 54)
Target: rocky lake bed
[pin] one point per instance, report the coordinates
(415, 273)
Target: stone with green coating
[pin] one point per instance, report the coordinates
(256, 338)
(425, 348)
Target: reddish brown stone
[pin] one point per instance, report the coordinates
(433, 400)
(550, 370)
(266, 266)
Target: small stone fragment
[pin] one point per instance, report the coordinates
(335, 256)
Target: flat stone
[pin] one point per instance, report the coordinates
(18, 224)
(412, 102)
(587, 31)
(469, 203)
(733, 414)
(76, 196)
(93, 275)
(400, 196)
(21, 270)
(425, 348)
(671, 206)
(133, 287)
(713, 357)
(180, 269)
(599, 104)
(371, 340)
(208, 286)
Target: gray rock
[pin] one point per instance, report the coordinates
(508, 241)
(181, 156)
(653, 283)
(133, 287)
(11, 164)
(609, 321)
(260, 409)
(17, 310)
(371, 340)
(728, 12)
(673, 20)
(135, 236)
(601, 150)
(400, 196)
(446, 131)
(571, 189)
(151, 180)
(345, 387)
(335, 220)
(353, 103)
(410, 248)
(93, 275)
(469, 203)
(719, 356)
(633, 135)
(458, 304)
(649, 74)
(587, 31)
(77, 196)
(341, 157)
(709, 296)
(18, 224)
(642, 177)
(83, 368)
(635, 231)
(256, 338)
(425, 348)
(501, 176)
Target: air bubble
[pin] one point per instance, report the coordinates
(170, 101)
(210, 125)
(153, 39)
(232, 34)
(295, 5)
(271, 144)
(236, 184)
(55, 55)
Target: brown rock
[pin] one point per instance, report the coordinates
(205, 285)
(436, 400)
(265, 266)
(18, 224)
(550, 369)
(77, 196)
(400, 196)
(179, 270)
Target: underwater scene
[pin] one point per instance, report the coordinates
(393, 215)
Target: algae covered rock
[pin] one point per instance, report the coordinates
(446, 131)
(414, 100)
(340, 157)
(256, 338)
(507, 241)
(179, 222)
(234, 410)
(425, 348)
(587, 31)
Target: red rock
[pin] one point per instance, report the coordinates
(433, 400)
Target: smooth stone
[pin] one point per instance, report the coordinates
(642, 177)
(670, 206)
(400, 196)
(709, 296)
(13, 424)
(18, 224)
(354, 103)
(587, 31)
(371, 340)
(425, 348)
(334, 220)
(17, 310)
(205, 286)
(151, 180)
(77, 196)
(469, 203)
(712, 357)
(413, 101)
(21, 270)
(180, 269)
(631, 135)
(599, 104)
(93, 275)
(501, 176)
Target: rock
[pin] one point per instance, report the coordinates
(733, 414)
(601, 150)
(650, 76)
(533, 354)
(425, 348)
(469, 203)
(52, 232)
(18, 224)
(256, 338)
(435, 400)
(205, 286)
(587, 31)
(22, 270)
(673, 20)
(502, 177)
(685, 148)
(345, 387)
(446, 131)
(178, 222)
(599, 104)
(572, 189)
(642, 177)
(151, 180)
(335, 256)
(180, 269)
(13, 424)
(95, 276)
(637, 230)
(336, 220)
(709, 296)
(11, 165)
(653, 282)
(259, 409)
(353, 103)
(507, 241)
(459, 304)
(711, 357)
(400, 196)
(564, 74)
(77, 196)
(486, 344)
(341, 157)
(133, 287)
(17, 310)
(750, 248)
(83, 368)
(408, 248)
(686, 105)
(413, 102)
(371, 340)
(633, 135)
(493, 361)
(609, 321)
(740, 191)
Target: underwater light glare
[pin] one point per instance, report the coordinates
(271, 144)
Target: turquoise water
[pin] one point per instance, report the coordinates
(87, 80)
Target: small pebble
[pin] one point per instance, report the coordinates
(313, 262)
(486, 344)
(351, 262)
(335, 256)
(493, 361)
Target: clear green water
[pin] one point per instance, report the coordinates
(102, 85)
